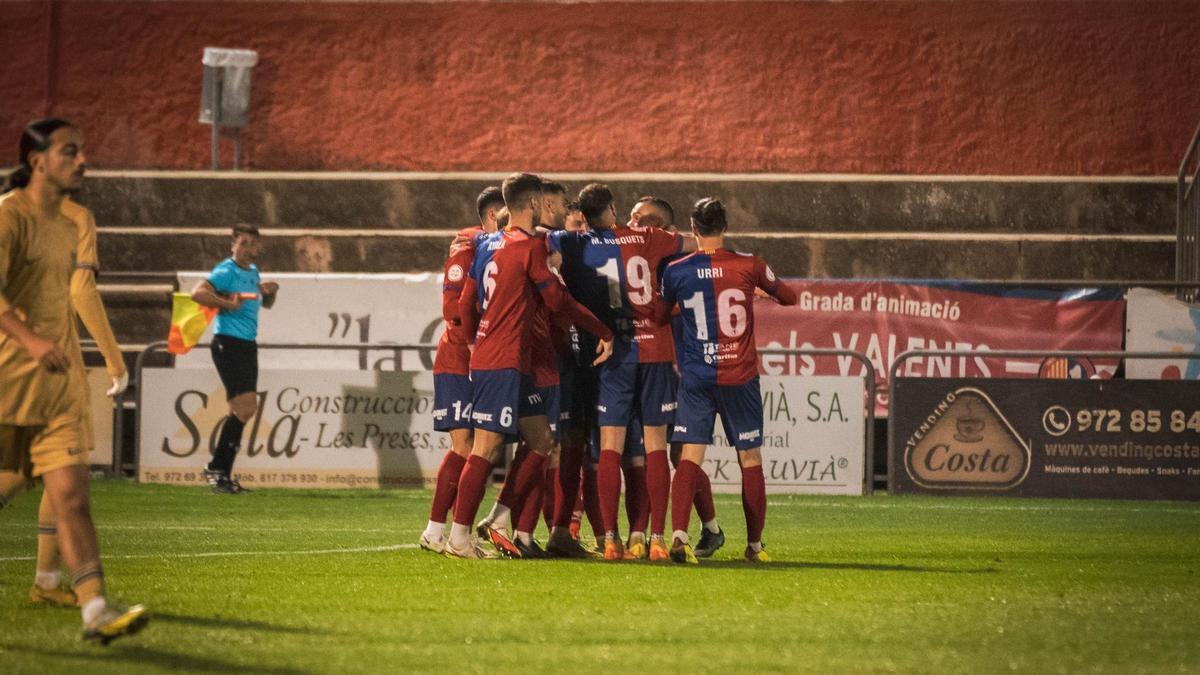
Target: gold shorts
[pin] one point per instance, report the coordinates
(36, 450)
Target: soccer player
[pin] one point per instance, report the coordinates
(452, 375)
(48, 588)
(651, 211)
(235, 288)
(497, 306)
(42, 378)
(611, 270)
(715, 289)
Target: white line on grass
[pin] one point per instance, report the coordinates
(220, 554)
(950, 506)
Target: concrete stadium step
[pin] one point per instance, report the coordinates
(756, 202)
(921, 255)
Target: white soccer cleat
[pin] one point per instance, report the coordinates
(436, 545)
(473, 551)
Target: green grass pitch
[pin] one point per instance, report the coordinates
(284, 581)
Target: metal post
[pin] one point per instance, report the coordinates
(216, 119)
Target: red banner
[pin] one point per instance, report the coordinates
(884, 319)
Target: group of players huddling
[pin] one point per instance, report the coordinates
(560, 334)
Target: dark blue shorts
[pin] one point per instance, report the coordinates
(452, 397)
(578, 387)
(552, 401)
(740, 408)
(643, 389)
(501, 397)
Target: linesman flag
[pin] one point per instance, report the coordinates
(189, 320)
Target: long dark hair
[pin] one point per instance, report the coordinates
(35, 138)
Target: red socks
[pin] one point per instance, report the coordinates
(754, 502)
(549, 488)
(508, 493)
(658, 488)
(608, 482)
(570, 462)
(531, 508)
(471, 486)
(704, 500)
(682, 488)
(591, 500)
(529, 476)
(637, 502)
(446, 488)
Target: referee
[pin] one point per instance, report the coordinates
(236, 290)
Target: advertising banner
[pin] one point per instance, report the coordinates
(314, 428)
(884, 319)
(813, 438)
(1120, 439)
(341, 309)
(1157, 322)
(371, 429)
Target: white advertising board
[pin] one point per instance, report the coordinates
(314, 429)
(1157, 322)
(375, 428)
(813, 438)
(341, 309)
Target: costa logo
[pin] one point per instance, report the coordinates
(966, 443)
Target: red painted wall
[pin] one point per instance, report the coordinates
(902, 86)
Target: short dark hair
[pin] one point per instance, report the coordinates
(239, 230)
(519, 186)
(491, 196)
(709, 216)
(594, 199)
(660, 203)
(550, 187)
(573, 206)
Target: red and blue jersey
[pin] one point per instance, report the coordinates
(614, 273)
(453, 355)
(498, 307)
(715, 294)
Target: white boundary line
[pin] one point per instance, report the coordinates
(221, 554)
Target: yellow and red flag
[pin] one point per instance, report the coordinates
(189, 320)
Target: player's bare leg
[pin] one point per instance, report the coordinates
(70, 496)
(608, 478)
(48, 587)
(446, 489)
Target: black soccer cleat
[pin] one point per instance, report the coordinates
(710, 542)
(530, 550)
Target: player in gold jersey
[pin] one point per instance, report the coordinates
(42, 382)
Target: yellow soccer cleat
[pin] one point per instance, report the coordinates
(114, 623)
(683, 554)
(635, 549)
(759, 556)
(613, 550)
(658, 551)
(61, 596)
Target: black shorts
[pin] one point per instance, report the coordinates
(237, 364)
